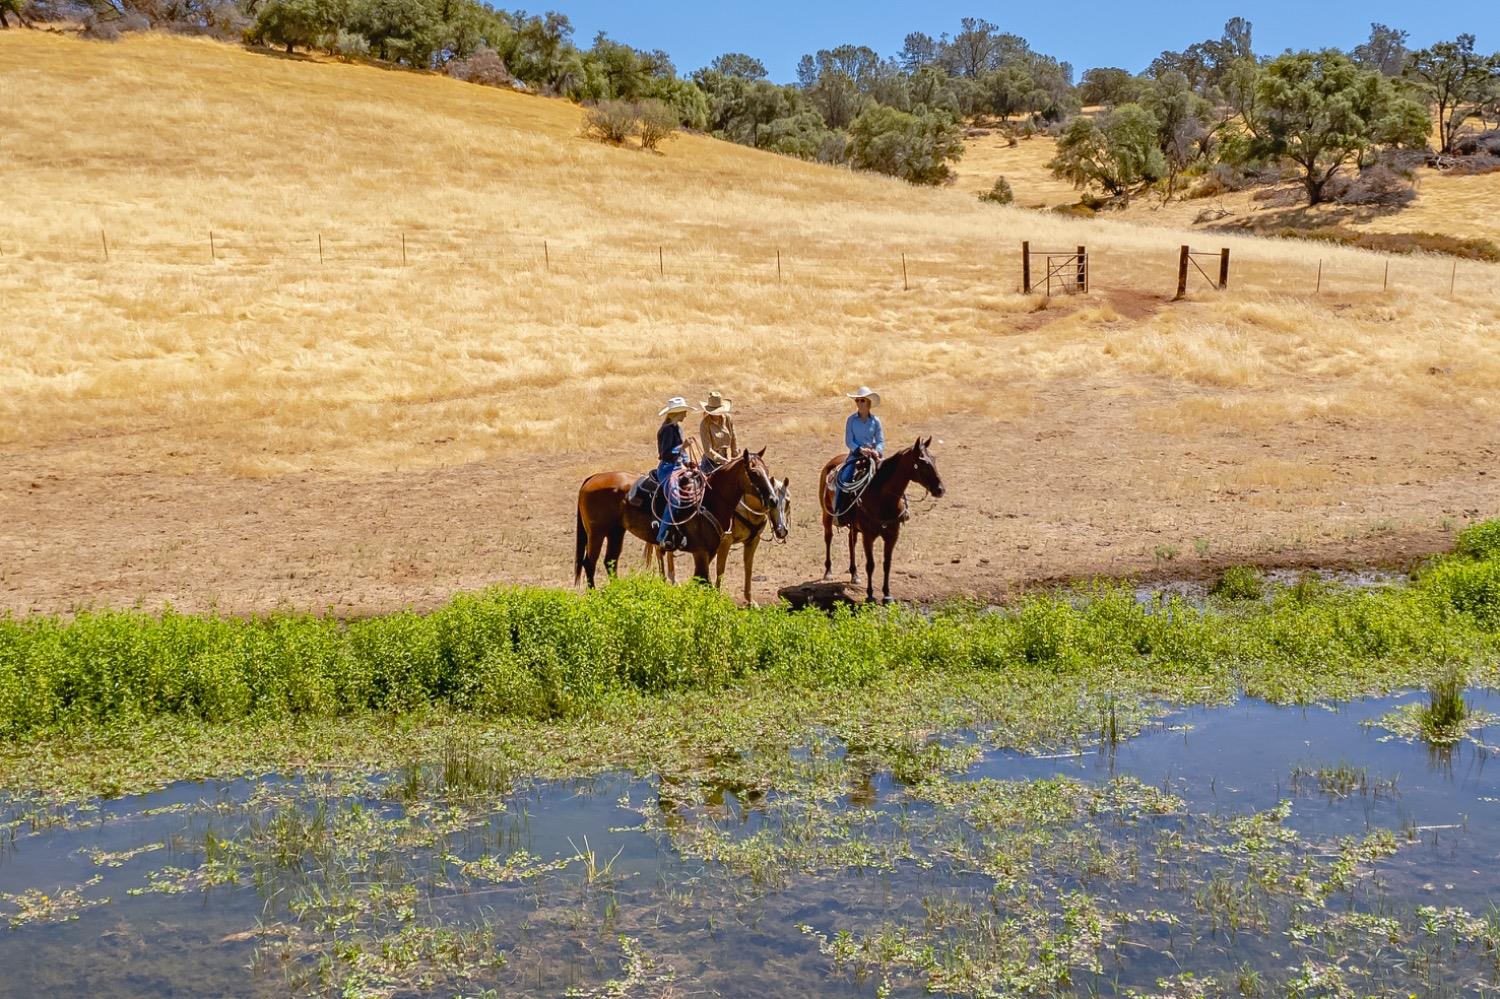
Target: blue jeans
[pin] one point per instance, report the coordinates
(842, 481)
(669, 509)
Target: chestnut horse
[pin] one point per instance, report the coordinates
(604, 515)
(880, 509)
(750, 523)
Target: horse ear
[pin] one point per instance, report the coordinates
(928, 444)
(761, 453)
(918, 445)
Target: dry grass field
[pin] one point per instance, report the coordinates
(245, 426)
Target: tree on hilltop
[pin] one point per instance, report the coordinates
(1321, 111)
(1456, 79)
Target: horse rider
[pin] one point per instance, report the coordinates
(673, 451)
(716, 432)
(865, 439)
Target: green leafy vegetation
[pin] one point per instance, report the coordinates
(1240, 582)
(544, 653)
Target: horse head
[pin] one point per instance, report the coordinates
(757, 479)
(924, 469)
(781, 510)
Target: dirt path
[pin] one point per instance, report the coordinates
(1072, 491)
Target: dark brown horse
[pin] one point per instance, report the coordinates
(879, 511)
(604, 515)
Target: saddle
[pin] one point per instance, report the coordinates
(846, 499)
(643, 493)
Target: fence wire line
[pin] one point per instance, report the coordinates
(544, 254)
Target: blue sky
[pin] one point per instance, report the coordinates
(1083, 32)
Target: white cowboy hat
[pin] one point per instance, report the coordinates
(716, 403)
(865, 392)
(676, 404)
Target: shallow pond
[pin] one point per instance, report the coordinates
(1247, 849)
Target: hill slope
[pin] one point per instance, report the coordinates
(554, 289)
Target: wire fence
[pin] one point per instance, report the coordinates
(882, 266)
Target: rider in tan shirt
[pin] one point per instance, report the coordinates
(716, 432)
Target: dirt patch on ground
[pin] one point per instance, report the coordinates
(1076, 489)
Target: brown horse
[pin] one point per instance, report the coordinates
(604, 515)
(880, 509)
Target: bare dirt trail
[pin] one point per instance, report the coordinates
(1073, 490)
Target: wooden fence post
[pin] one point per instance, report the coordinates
(1385, 282)
(1182, 266)
(320, 247)
(904, 285)
(778, 266)
(1453, 278)
(1083, 268)
(1320, 276)
(213, 253)
(1224, 268)
(546, 256)
(1025, 267)
(661, 267)
(103, 241)
(403, 249)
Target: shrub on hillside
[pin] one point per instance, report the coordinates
(109, 29)
(1221, 178)
(1472, 166)
(484, 67)
(347, 45)
(1478, 143)
(1378, 184)
(610, 121)
(1000, 194)
(656, 121)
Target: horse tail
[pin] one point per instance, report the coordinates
(581, 548)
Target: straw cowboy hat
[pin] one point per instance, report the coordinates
(716, 403)
(676, 404)
(865, 392)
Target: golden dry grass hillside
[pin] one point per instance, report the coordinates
(240, 422)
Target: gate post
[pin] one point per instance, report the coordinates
(1182, 266)
(1083, 268)
(1224, 268)
(1025, 267)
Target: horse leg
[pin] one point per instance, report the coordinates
(672, 566)
(591, 555)
(721, 560)
(890, 542)
(612, 545)
(700, 564)
(750, 546)
(869, 539)
(827, 545)
(853, 539)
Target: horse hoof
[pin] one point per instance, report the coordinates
(887, 600)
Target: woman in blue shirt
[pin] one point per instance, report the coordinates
(863, 436)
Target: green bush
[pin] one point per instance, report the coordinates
(546, 653)
(999, 194)
(1240, 582)
(1481, 541)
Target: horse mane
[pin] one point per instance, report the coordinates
(888, 466)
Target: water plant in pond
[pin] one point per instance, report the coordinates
(1239, 582)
